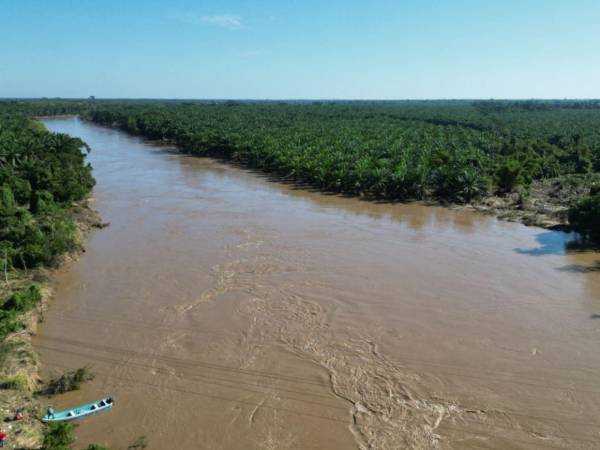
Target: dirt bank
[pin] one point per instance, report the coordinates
(545, 204)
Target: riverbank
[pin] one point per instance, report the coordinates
(544, 204)
(19, 364)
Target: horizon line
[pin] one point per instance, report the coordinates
(249, 99)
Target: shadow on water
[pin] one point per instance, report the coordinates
(580, 268)
(550, 243)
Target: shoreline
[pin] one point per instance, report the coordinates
(20, 369)
(545, 205)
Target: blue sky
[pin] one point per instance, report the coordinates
(279, 49)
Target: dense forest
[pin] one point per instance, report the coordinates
(450, 151)
(41, 175)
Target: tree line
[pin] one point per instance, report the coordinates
(451, 151)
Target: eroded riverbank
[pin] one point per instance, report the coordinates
(226, 311)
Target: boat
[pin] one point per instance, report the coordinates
(81, 411)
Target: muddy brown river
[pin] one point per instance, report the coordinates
(223, 310)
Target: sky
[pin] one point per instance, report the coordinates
(305, 49)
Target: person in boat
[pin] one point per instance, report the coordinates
(50, 412)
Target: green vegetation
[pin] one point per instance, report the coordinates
(450, 151)
(41, 175)
(14, 306)
(69, 381)
(584, 216)
(58, 436)
(16, 382)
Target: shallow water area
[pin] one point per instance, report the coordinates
(224, 310)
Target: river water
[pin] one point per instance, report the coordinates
(224, 310)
